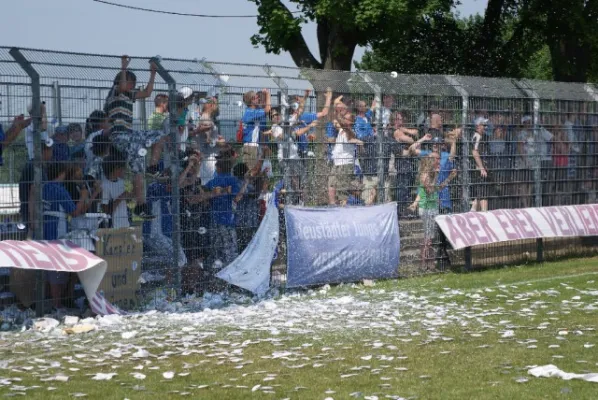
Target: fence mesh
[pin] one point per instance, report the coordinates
(370, 141)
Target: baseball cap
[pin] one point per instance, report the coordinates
(480, 121)
(186, 92)
(61, 130)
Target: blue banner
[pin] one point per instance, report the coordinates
(341, 244)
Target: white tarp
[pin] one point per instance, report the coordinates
(552, 371)
(251, 270)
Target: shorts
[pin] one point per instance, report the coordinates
(428, 218)
(250, 155)
(57, 278)
(370, 184)
(129, 143)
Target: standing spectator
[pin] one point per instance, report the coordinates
(500, 162)
(61, 152)
(404, 164)
(478, 174)
(157, 118)
(76, 139)
(28, 189)
(446, 152)
(524, 163)
(367, 154)
(114, 196)
(561, 160)
(119, 107)
(6, 138)
(29, 131)
(85, 194)
(58, 205)
(224, 187)
(574, 132)
(100, 148)
(208, 141)
(246, 203)
(545, 138)
(428, 192)
(343, 158)
(254, 123)
(96, 124)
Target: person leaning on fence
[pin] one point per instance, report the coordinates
(343, 159)
(119, 107)
(223, 188)
(524, 162)
(58, 205)
(478, 174)
(114, 195)
(405, 165)
(6, 138)
(62, 152)
(207, 139)
(28, 189)
(428, 191)
(254, 123)
(157, 233)
(246, 203)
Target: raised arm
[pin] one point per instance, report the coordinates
(326, 108)
(268, 105)
(415, 147)
(147, 91)
(124, 64)
(18, 124)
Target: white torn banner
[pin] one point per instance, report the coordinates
(552, 371)
(251, 270)
(60, 256)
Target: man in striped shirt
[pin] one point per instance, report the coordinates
(131, 143)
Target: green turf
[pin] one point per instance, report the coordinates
(468, 361)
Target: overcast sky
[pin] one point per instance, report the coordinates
(88, 26)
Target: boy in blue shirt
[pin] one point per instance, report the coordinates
(223, 189)
(254, 124)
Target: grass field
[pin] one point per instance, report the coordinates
(452, 336)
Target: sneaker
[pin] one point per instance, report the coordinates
(143, 211)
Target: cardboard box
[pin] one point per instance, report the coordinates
(122, 249)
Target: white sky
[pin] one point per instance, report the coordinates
(87, 26)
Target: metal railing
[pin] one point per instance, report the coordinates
(538, 144)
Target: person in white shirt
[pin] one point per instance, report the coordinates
(343, 159)
(114, 195)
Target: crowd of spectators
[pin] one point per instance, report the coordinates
(371, 154)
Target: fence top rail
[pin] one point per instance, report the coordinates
(78, 69)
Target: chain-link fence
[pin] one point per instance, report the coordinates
(167, 174)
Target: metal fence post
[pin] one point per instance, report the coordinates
(379, 136)
(57, 101)
(142, 114)
(37, 168)
(175, 169)
(465, 154)
(530, 92)
(464, 137)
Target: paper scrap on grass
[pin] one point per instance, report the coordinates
(552, 371)
(60, 256)
(251, 270)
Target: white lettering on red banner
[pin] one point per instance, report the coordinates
(476, 228)
(61, 256)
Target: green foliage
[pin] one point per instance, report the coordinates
(342, 25)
